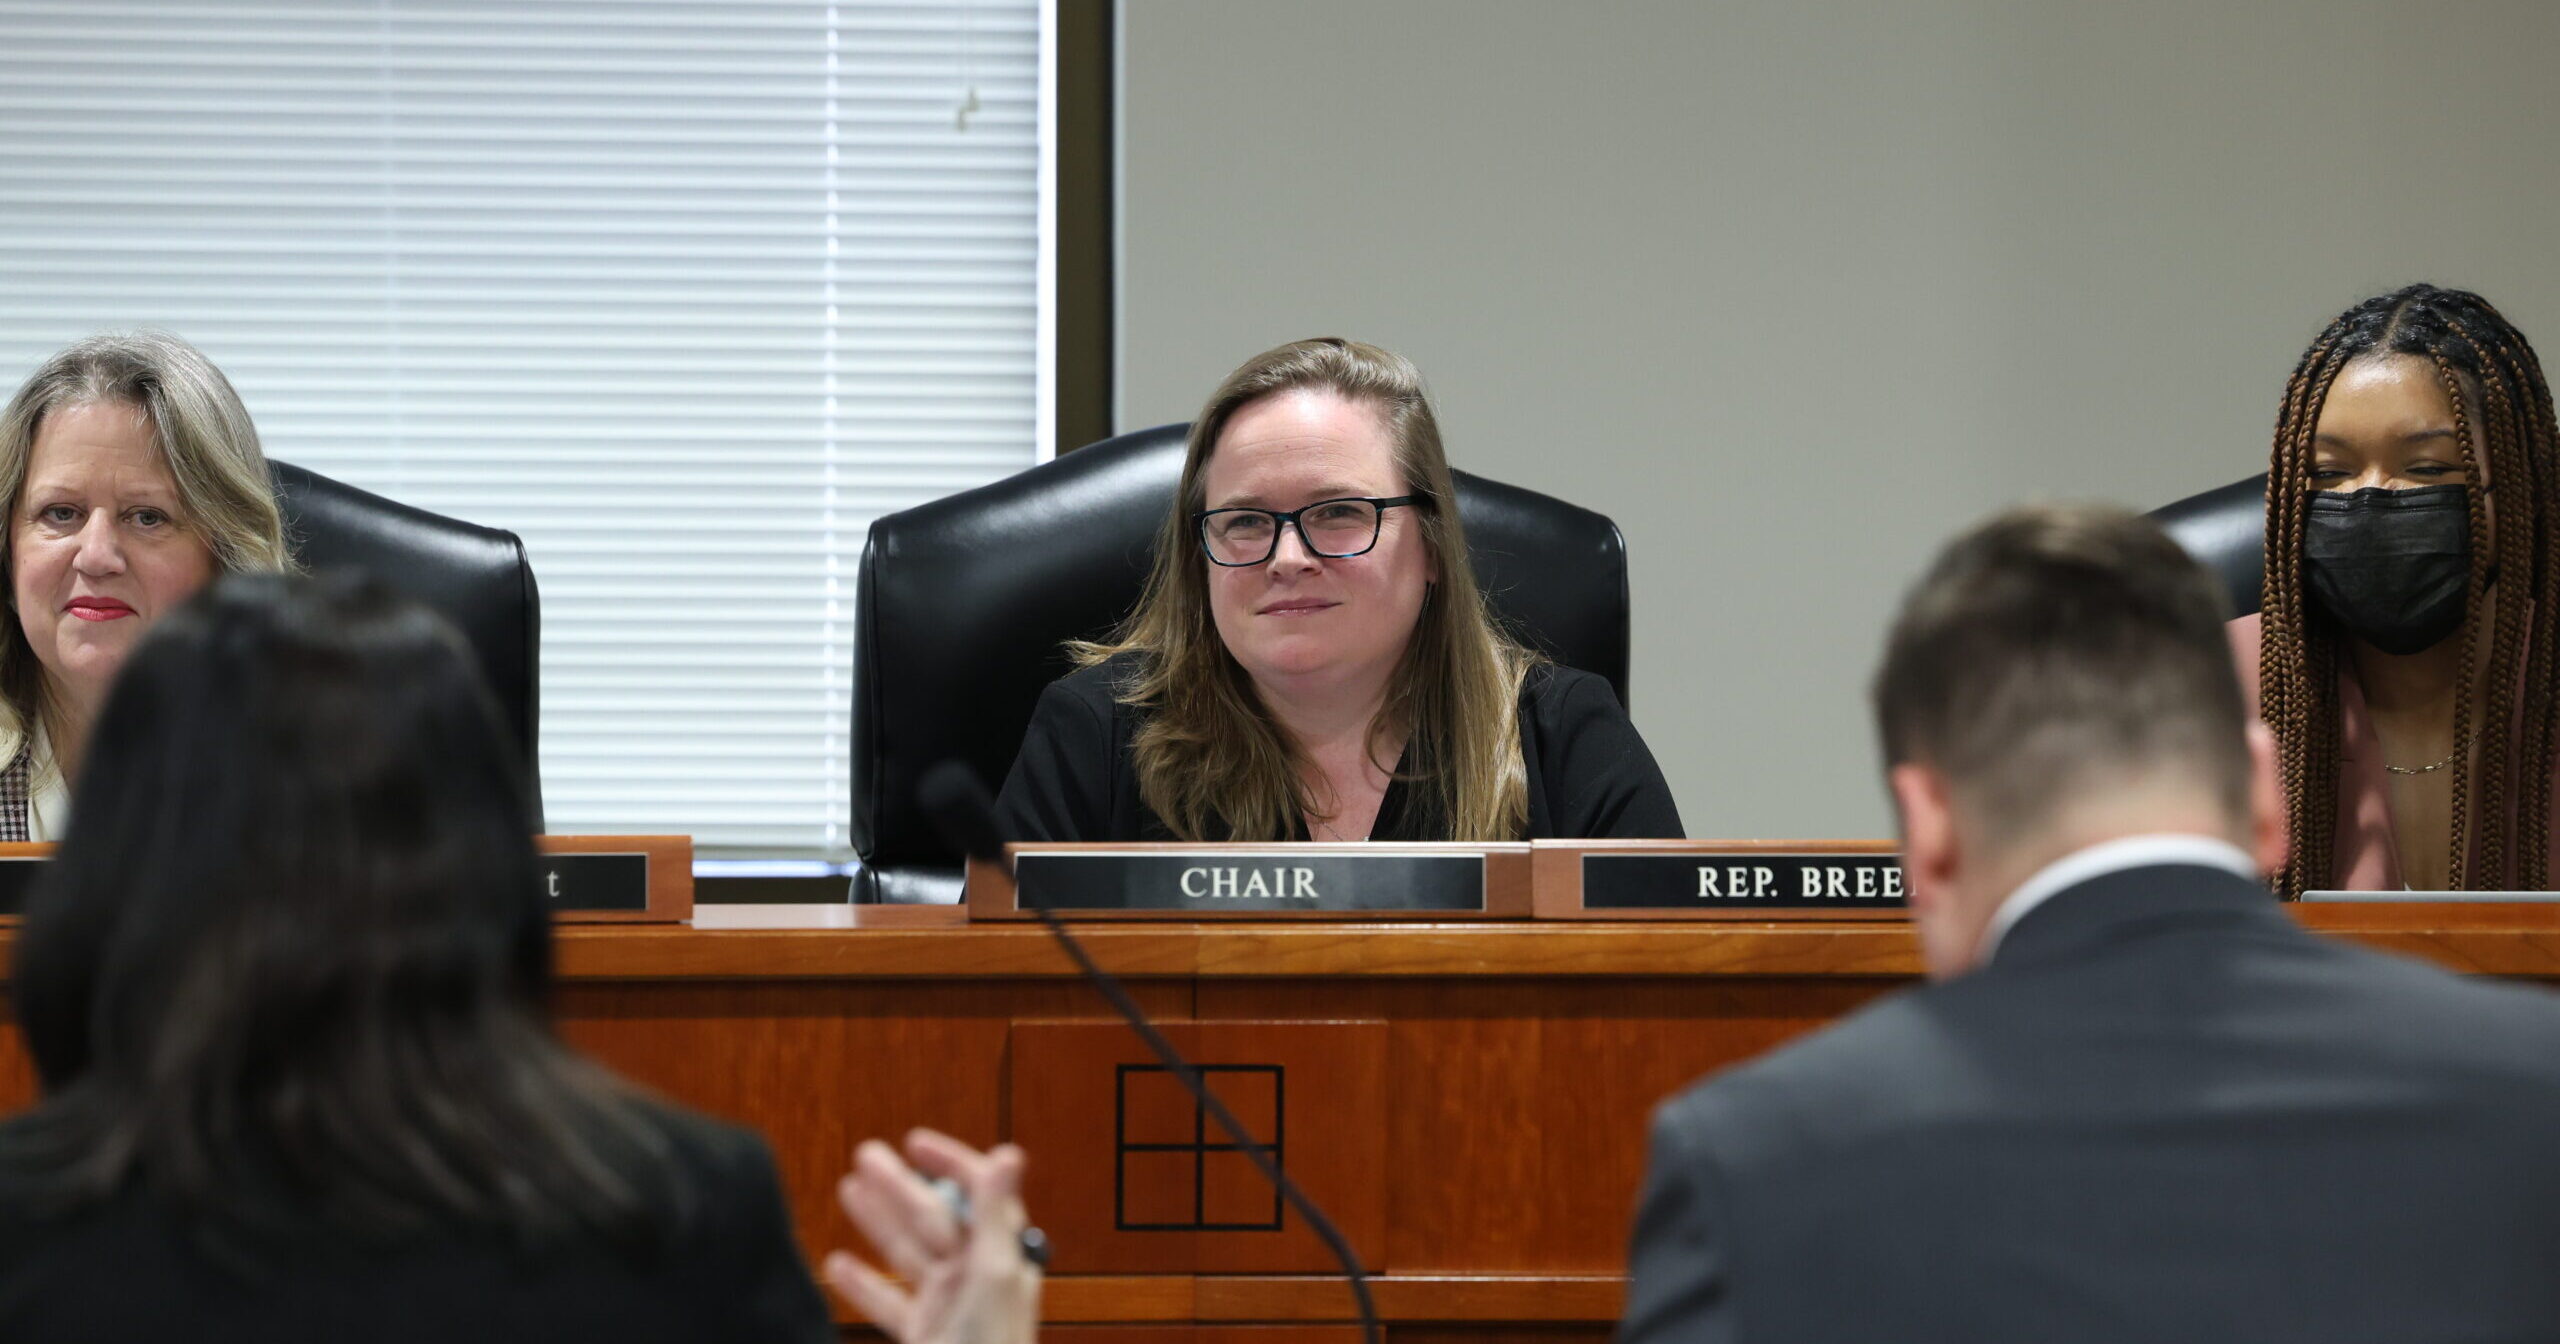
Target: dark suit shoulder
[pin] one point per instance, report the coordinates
(1098, 686)
(1554, 696)
(1592, 775)
(1545, 682)
(2407, 1010)
(1068, 777)
(2164, 1089)
(1985, 1045)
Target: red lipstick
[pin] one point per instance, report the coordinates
(97, 608)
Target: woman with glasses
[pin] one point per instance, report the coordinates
(1312, 659)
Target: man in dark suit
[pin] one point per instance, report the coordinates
(2138, 1102)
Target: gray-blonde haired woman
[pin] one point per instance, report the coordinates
(132, 476)
(1312, 658)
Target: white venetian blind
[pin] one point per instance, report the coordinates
(684, 293)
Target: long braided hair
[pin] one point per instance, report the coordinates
(2503, 414)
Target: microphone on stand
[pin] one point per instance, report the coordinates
(966, 818)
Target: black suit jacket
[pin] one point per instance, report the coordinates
(2162, 1112)
(132, 1270)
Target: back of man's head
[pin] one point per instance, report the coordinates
(2061, 658)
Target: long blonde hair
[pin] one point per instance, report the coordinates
(1211, 762)
(204, 435)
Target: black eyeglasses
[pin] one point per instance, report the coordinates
(1336, 529)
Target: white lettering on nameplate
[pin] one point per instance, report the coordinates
(1736, 882)
(1862, 883)
(1755, 882)
(1250, 884)
(1750, 882)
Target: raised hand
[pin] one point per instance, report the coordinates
(965, 1282)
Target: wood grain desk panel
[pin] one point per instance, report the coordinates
(1521, 1062)
(1517, 1110)
(1136, 1177)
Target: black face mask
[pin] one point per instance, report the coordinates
(2391, 565)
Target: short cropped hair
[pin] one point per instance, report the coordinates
(2056, 651)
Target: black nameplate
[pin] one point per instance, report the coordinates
(17, 880)
(1741, 882)
(596, 881)
(1230, 880)
(572, 881)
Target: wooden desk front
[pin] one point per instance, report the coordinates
(1519, 1064)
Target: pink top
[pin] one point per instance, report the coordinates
(2367, 851)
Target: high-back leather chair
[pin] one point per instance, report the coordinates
(2225, 529)
(476, 577)
(965, 601)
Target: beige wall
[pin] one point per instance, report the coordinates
(1793, 290)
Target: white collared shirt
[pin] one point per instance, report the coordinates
(2110, 856)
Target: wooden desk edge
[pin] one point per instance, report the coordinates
(2486, 940)
(1240, 951)
(1387, 949)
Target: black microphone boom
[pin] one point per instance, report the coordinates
(961, 810)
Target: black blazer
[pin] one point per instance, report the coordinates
(1589, 773)
(2163, 1112)
(129, 1270)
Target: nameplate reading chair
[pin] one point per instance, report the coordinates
(964, 603)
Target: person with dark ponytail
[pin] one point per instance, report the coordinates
(2413, 547)
(286, 987)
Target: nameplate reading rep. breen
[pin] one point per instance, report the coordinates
(1756, 881)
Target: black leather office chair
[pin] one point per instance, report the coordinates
(964, 602)
(476, 577)
(2225, 530)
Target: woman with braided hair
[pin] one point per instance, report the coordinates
(2413, 544)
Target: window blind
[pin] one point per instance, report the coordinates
(684, 293)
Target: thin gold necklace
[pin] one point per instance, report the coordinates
(2422, 769)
